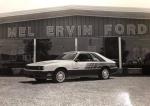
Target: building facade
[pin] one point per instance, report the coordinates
(121, 38)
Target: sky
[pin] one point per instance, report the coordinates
(19, 5)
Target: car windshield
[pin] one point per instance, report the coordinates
(66, 56)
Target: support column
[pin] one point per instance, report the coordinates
(34, 50)
(76, 44)
(120, 52)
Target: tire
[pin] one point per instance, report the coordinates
(104, 74)
(59, 76)
(40, 80)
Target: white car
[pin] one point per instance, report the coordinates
(69, 64)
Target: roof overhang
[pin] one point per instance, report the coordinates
(116, 12)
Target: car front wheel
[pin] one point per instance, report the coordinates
(59, 76)
(104, 74)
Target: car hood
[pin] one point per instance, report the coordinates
(43, 63)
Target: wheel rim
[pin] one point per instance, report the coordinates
(60, 76)
(105, 74)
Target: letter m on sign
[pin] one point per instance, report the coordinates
(12, 32)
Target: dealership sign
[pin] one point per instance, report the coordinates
(51, 31)
(79, 31)
(129, 29)
(20, 32)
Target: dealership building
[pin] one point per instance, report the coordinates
(122, 34)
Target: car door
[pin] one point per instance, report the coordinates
(84, 64)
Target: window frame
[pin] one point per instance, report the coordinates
(98, 57)
(87, 59)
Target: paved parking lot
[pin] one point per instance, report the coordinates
(117, 91)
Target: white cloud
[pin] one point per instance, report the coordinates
(17, 5)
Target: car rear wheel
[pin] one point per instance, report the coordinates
(59, 76)
(104, 74)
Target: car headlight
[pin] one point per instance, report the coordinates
(35, 67)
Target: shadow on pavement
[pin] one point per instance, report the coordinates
(67, 80)
(36, 82)
(83, 79)
(12, 76)
(132, 75)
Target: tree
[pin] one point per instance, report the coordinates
(42, 48)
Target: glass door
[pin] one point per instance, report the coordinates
(111, 47)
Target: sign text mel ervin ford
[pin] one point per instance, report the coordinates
(79, 30)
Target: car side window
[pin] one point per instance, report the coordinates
(96, 58)
(84, 57)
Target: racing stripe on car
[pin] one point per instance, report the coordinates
(90, 66)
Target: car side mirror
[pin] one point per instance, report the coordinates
(76, 60)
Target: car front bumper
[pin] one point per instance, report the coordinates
(38, 74)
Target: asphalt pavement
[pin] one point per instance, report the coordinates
(117, 91)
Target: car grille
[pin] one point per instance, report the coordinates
(34, 67)
(35, 74)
